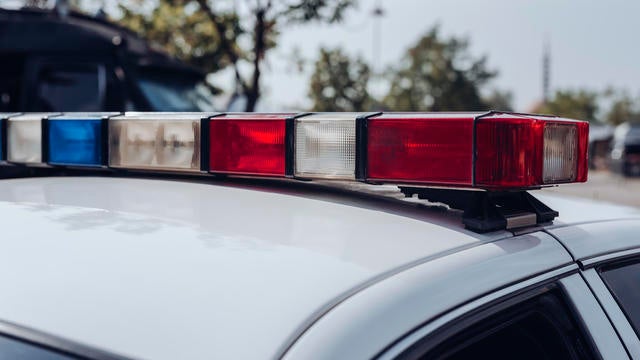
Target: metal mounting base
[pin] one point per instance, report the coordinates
(489, 210)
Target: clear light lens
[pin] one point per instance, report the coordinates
(161, 141)
(24, 138)
(560, 153)
(326, 146)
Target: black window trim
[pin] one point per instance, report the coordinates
(54, 343)
(470, 318)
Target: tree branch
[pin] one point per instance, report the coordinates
(225, 43)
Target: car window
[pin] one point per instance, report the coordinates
(172, 92)
(19, 350)
(70, 87)
(623, 280)
(538, 328)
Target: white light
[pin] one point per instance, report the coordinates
(155, 141)
(560, 153)
(325, 146)
(24, 138)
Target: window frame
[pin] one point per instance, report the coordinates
(585, 312)
(54, 343)
(592, 274)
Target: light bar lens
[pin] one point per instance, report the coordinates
(75, 141)
(508, 152)
(24, 138)
(248, 145)
(325, 146)
(420, 148)
(155, 142)
(560, 153)
(518, 151)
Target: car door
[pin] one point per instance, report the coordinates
(615, 280)
(554, 319)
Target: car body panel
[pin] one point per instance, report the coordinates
(379, 315)
(174, 269)
(189, 268)
(590, 240)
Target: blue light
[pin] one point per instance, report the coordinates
(75, 142)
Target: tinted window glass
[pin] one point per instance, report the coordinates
(18, 350)
(623, 281)
(70, 87)
(539, 328)
(172, 92)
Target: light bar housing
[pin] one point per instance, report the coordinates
(157, 141)
(495, 151)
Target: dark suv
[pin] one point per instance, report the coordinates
(50, 62)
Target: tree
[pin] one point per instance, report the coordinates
(623, 108)
(438, 75)
(499, 100)
(575, 104)
(339, 83)
(215, 37)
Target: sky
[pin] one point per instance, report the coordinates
(594, 44)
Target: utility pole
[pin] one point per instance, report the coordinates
(377, 13)
(546, 71)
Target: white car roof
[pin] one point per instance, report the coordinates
(173, 269)
(165, 269)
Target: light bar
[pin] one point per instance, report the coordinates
(248, 144)
(325, 146)
(493, 151)
(76, 139)
(161, 141)
(24, 138)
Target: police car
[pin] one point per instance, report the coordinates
(200, 236)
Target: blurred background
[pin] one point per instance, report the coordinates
(576, 59)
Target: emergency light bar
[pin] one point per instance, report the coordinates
(425, 154)
(493, 151)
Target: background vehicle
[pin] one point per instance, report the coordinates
(625, 152)
(73, 62)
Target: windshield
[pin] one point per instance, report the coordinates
(175, 92)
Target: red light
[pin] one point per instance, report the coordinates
(512, 151)
(508, 151)
(421, 148)
(251, 144)
(583, 151)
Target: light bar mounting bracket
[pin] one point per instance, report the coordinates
(486, 211)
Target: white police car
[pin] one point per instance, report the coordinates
(129, 256)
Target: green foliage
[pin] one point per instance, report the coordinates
(199, 33)
(499, 100)
(339, 83)
(574, 104)
(438, 75)
(623, 108)
(182, 31)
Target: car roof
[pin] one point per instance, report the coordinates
(199, 269)
(156, 268)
